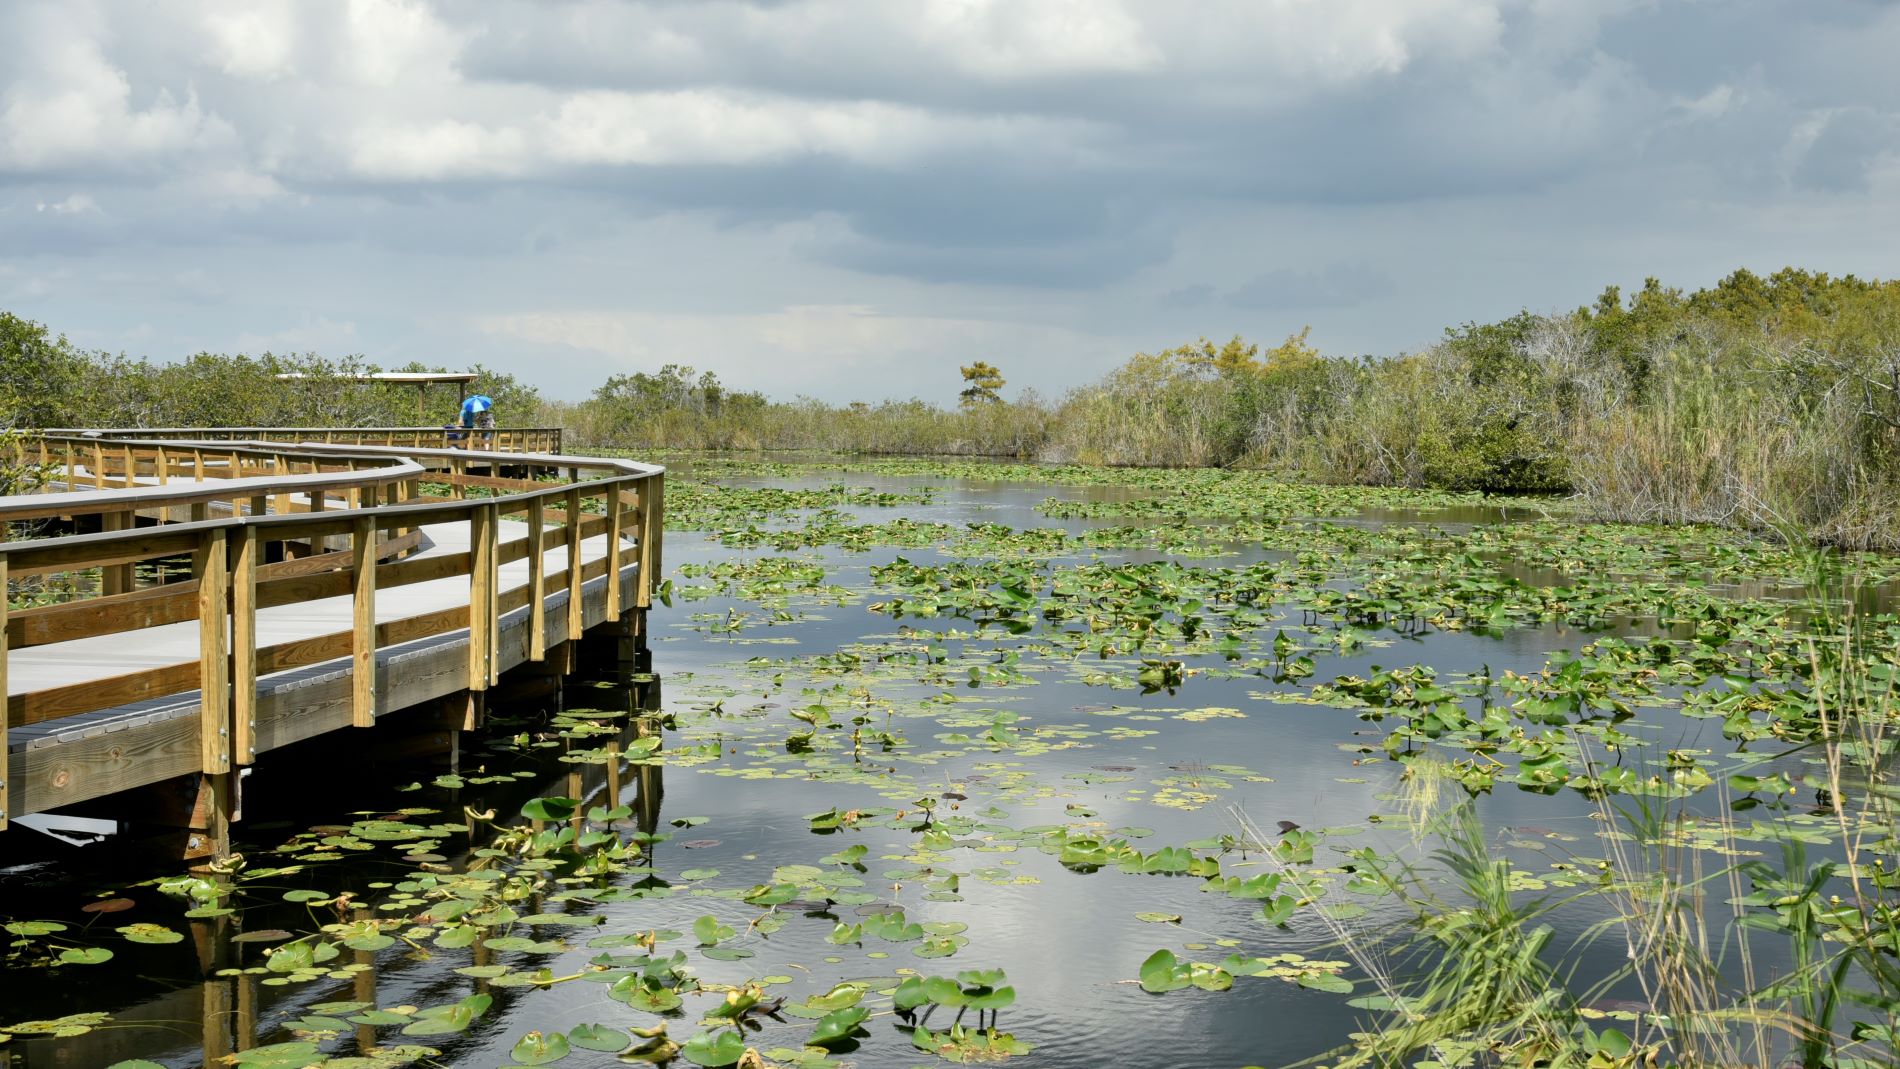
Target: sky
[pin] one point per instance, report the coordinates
(847, 199)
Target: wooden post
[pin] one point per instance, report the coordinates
(116, 578)
(212, 567)
(98, 466)
(260, 504)
(576, 620)
(614, 521)
(131, 469)
(161, 466)
(537, 582)
(318, 543)
(281, 464)
(492, 614)
(397, 493)
(363, 622)
(198, 463)
(244, 644)
(5, 806)
(652, 526)
(481, 592)
(458, 469)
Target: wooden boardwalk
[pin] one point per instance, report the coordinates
(239, 597)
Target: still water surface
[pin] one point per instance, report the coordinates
(1070, 942)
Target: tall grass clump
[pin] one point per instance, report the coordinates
(1760, 402)
(1743, 954)
(681, 408)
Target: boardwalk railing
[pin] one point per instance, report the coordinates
(495, 440)
(516, 553)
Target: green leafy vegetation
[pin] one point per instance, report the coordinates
(974, 761)
(1761, 402)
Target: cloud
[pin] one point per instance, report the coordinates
(1844, 147)
(740, 177)
(252, 39)
(68, 106)
(1199, 295)
(76, 204)
(313, 333)
(823, 350)
(446, 148)
(1335, 286)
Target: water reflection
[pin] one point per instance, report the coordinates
(1069, 940)
(205, 998)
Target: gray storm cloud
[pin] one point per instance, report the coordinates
(823, 196)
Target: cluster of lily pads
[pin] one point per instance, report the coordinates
(1676, 672)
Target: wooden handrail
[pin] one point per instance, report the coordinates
(529, 439)
(230, 582)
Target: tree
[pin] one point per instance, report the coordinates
(1292, 355)
(42, 377)
(985, 385)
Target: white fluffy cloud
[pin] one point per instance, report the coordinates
(380, 89)
(595, 184)
(67, 105)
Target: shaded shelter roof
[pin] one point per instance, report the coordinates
(404, 378)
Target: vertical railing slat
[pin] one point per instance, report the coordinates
(480, 580)
(281, 464)
(615, 520)
(212, 567)
(652, 526)
(537, 582)
(491, 611)
(250, 549)
(576, 621)
(363, 621)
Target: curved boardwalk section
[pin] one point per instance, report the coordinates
(203, 601)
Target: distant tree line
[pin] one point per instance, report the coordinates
(1767, 402)
(46, 381)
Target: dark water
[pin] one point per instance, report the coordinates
(1069, 941)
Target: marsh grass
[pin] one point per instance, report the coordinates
(1787, 959)
(1475, 979)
